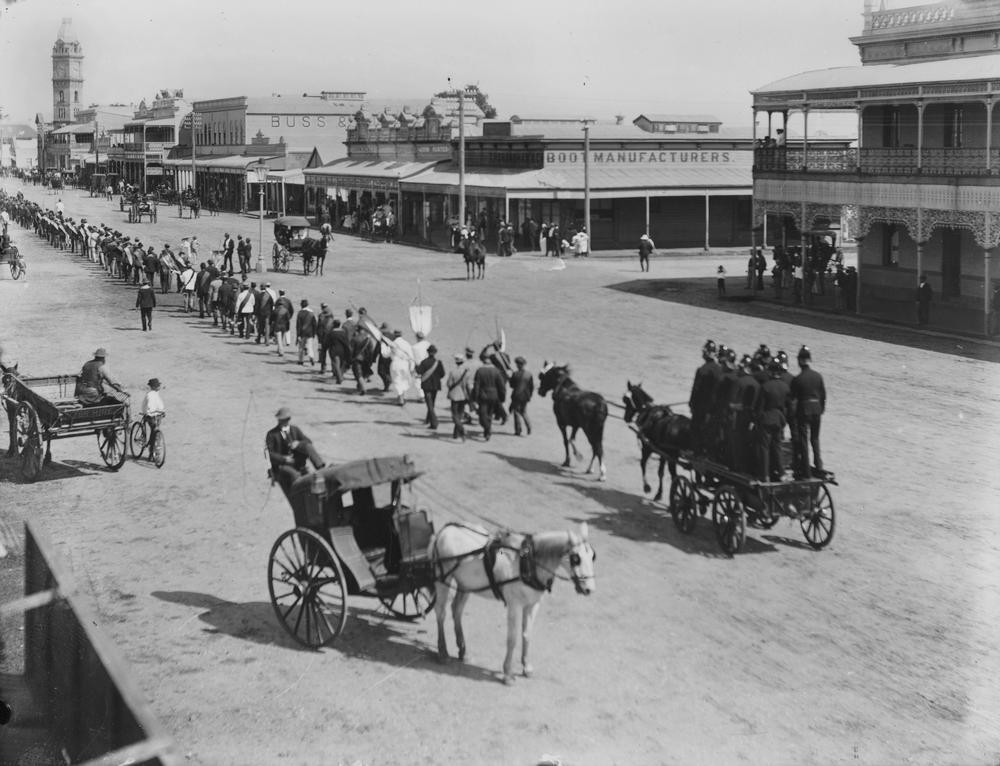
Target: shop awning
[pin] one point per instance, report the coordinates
(295, 177)
(668, 180)
(372, 175)
(236, 163)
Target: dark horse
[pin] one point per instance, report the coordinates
(575, 409)
(192, 203)
(475, 259)
(660, 430)
(314, 249)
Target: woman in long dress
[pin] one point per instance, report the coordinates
(401, 367)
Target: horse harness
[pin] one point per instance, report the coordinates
(527, 566)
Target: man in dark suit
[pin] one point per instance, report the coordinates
(924, 296)
(145, 301)
(706, 380)
(489, 390)
(809, 395)
(289, 449)
(228, 246)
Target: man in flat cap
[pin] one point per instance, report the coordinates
(289, 449)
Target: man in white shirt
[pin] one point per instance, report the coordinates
(60, 208)
(187, 280)
(246, 304)
(581, 243)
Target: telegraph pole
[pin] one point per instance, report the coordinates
(586, 180)
(460, 92)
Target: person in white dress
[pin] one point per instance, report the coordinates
(401, 366)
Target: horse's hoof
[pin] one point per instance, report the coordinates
(528, 672)
(442, 658)
(658, 497)
(461, 656)
(603, 478)
(566, 464)
(508, 680)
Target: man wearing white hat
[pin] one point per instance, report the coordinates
(646, 248)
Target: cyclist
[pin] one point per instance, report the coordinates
(152, 409)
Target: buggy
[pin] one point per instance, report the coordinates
(357, 531)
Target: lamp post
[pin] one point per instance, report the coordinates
(260, 171)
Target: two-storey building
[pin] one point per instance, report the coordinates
(147, 139)
(923, 181)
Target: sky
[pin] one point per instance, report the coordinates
(562, 57)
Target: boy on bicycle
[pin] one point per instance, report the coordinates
(152, 409)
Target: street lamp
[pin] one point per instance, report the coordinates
(260, 171)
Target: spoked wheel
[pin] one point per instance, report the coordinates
(684, 504)
(411, 605)
(307, 586)
(286, 260)
(818, 522)
(729, 519)
(137, 439)
(111, 443)
(29, 441)
(158, 454)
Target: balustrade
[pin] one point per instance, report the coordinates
(889, 161)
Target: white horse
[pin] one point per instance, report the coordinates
(516, 568)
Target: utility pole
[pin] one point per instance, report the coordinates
(586, 180)
(460, 92)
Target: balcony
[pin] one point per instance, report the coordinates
(881, 161)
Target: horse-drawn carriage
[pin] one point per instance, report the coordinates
(357, 531)
(707, 483)
(295, 235)
(10, 253)
(141, 206)
(45, 408)
(188, 199)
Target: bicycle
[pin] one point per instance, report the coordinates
(15, 261)
(138, 439)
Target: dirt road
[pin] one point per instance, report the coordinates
(881, 649)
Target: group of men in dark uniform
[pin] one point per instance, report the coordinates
(740, 407)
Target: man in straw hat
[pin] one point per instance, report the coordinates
(289, 449)
(153, 410)
(90, 382)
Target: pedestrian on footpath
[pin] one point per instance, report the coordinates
(924, 297)
(145, 301)
(241, 254)
(431, 372)
(459, 384)
(646, 248)
(305, 331)
(720, 280)
(522, 387)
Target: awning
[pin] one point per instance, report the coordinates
(235, 164)
(666, 180)
(295, 176)
(365, 175)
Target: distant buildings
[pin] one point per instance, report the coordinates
(921, 184)
(18, 147)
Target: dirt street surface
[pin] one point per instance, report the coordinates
(881, 649)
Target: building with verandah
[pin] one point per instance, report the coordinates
(922, 183)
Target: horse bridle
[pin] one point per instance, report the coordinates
(575, 561)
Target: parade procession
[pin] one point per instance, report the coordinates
(286, 377)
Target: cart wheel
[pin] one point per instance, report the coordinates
(411, 605)
(765, 519)
(729, 519)
(29, 439)
(158, 453)
(307, 587)
(286, 260)
(818, 522)
(684, 504)
(111, 443)
(137, 439)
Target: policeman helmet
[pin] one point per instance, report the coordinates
(723, 352)
(776, 367)
(805, 354)
(710, 349)
(764, 351)
(728, 358)
(745, 361)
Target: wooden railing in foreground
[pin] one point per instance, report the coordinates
(77, 681)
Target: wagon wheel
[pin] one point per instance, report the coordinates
(111, 443)
(729, 519)
(137, 439)
(818, 521)
(413, 604)
(286, 260)
(684, 504)
(158, 452)
(16, 269)
(276, 256)
(29, 440)
(307, 586)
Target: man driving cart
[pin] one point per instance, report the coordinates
(289, 450)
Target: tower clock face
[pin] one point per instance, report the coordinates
(60, 69)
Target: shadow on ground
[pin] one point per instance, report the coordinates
(702, 294)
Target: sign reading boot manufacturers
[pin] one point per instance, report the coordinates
(650, 157)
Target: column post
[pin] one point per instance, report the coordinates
(989, 133)
(986, 292)
(920, 136)
(647, 214)
(707, 244)
(805, 137)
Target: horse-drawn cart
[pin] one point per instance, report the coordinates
(46, 408)
(354, 535)
(139, 207)
(295, 235)
(734, 498)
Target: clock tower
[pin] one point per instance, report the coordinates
(67, 76)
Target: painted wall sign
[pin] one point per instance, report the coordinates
(650, 157)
